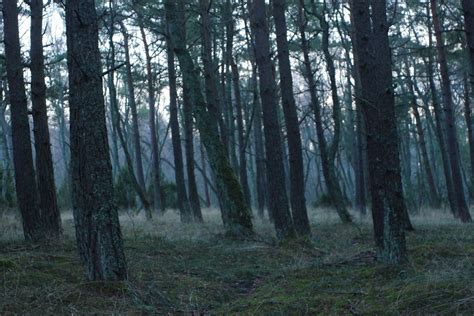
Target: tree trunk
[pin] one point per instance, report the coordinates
(468, 10)
(25, 178)
(51, 218)
(182, 197)
(236, 211)
(277, 196)
(451, 138)
(297, 190)
(133, 108)
(98, 234)
(155, 152)
(373, 61)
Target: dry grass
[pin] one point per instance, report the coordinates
(176, 268)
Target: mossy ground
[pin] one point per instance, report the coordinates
(176, 268)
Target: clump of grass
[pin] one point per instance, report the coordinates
(193, 268)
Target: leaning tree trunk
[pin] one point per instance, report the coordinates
(25, 178)
(470, 132)
(277, 196)
(237, 213)
(451, 138)
(373, 61)
(98, 234)
(297, 190)
(51, 218)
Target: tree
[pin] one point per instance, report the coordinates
(51, 218)
(297, 194)
(25, 176)
(98, 234)
(451, 139)
(182, 197)
(236, 214)
(277, 197)
(373, 61)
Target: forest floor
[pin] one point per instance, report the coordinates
(175, 268)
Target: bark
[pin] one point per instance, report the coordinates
(373, 61)
(133, 109)
(277, 196)
(204, 174)
(25, 178)
(297, 190)
(238, 217)
(155, 152)
(451, 138)
(98, 234)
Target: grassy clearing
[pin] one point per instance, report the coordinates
(177, 268)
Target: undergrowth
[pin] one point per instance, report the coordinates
(176, 268)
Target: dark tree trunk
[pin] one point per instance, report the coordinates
(133, 109)
(155, 152)
(470, 131)
(25, 178)
(297, 190)
(277, 196)
(51, 218)
(204, 174)
(373, 61)
(237, 214)
(468, 10)
(98, 234)
(182, 197)
(451, 138)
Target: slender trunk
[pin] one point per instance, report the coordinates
(98, 234)
(155, 154)
(451, 138)
(182, 197)
(133, 107)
